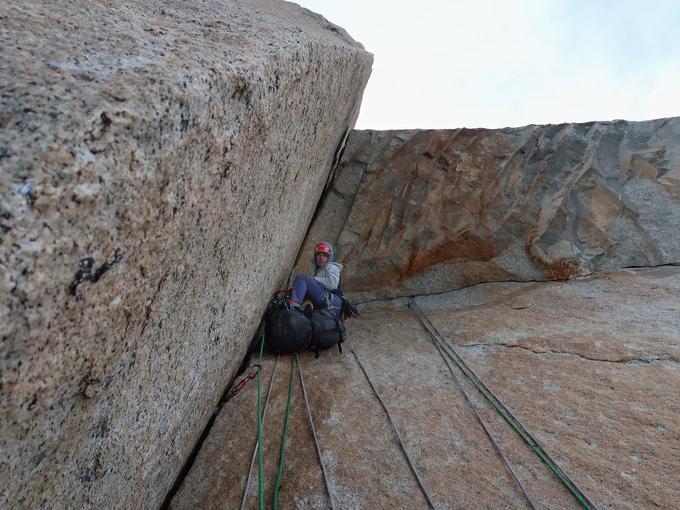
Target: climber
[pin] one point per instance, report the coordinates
(323, 288)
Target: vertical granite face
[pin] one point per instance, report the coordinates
(416, 212)
(159, 164)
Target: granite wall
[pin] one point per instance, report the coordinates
(159, 164)
(429, 211)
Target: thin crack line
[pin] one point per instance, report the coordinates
(633, 359)
(602, 274)
(406, 298)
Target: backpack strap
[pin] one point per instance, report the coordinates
(338, 290)
(340, 324)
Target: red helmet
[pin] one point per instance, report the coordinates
(322, 248)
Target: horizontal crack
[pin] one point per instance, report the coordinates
(590, 275)
(629, 359)
(669, 264)
(406, 298)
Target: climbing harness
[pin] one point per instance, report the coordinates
(421, 484)
(501, 408)
(486, 430)
(316, 440)
(257, 441)
(249, 377)
(279, 474)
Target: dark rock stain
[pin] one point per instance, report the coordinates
(85, 272)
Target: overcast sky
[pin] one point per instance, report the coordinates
(493, 63)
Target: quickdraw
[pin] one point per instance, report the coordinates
(239, 386)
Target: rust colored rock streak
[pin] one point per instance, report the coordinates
(415, 212)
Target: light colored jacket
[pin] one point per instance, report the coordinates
(329, 275)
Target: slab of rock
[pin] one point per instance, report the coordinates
(365, 465)
(589, 366)
(416, 212)
(159, 165)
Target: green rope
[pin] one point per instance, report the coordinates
(260, 475)
(279, 475)
(521, 433)
(511, 420)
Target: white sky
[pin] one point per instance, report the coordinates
(495, 63)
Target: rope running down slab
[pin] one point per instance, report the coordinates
(502, 409)
(421, 484)
(279, 474)
(316, 441)
(486, 430)
(257, 440)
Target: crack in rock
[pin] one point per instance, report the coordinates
(398, 299)
(652, 358)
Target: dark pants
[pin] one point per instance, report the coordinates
(307, 287)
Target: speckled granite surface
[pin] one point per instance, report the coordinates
(159, 163)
